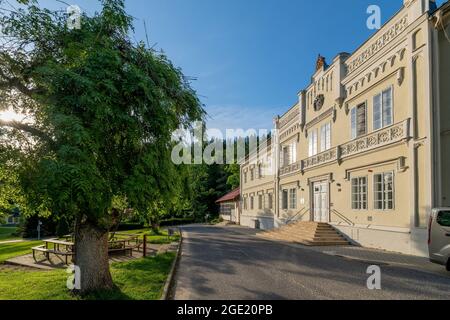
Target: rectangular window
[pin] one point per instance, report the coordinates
(293, 198)
(358, 121)
(252, 174)
(225, 209)
(245, 204)
(359, 193)
(325, 137)
(260, 202)
(384, 191)
(382, 110)
(270, 201)
(312, 139)
(252, 203)
(284, 201)
(260, 171)
(245, 177)
(286, 156)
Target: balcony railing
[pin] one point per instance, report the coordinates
(392, 134)
(380, 138)
(320, 159)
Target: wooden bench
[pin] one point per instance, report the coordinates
(126, 250)
(47, 253)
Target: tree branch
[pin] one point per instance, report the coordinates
(26, 128)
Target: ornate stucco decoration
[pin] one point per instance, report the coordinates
(294, 113)
(318, 102)
(379, 70)
(378, 44)
(321, 63)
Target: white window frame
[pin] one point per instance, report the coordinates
(360, 202)
(354, 131)
(325, 137)
(285, 199)
(313, 142)
(293, 198)
(260, 202)
(270, 201)
(382, 108)
(383, 200)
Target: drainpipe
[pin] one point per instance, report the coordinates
(276, 156)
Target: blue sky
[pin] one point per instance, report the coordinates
(250, 57)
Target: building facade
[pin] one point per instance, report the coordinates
(365, 147)
(230, 206)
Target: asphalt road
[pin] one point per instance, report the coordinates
(224, 263)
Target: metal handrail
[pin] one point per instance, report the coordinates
(300, 213)
(340, 215)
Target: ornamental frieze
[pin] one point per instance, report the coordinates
(378, 45)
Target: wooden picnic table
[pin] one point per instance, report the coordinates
(57, 243)
(68, 246)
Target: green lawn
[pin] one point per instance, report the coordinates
(8, 233)
(10, 250)
(141, 279)
(152, 237)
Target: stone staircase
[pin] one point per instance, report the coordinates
(307, 233)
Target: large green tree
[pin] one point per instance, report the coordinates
(103, 110)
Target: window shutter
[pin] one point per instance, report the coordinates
(310, 146)
(316, 141)
(353, 123)
(387, 107)
(323, 132)
(361, 120)
(328, 134)
(377, 112)
(294, 153)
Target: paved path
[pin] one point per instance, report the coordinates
(231, 263)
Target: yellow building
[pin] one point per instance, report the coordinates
(365, 148)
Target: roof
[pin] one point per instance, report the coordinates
(230, 196)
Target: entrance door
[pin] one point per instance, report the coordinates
(321, 202)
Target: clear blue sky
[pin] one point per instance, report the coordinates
(250, 57)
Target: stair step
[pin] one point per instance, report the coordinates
(307, 233)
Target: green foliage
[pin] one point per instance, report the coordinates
(104, 110)
(234, 172)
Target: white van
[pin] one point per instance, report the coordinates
(439, 236)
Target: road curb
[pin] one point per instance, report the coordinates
(170, 281)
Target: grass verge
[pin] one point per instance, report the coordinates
(141, 279)
(10, 250)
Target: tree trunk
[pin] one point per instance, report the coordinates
(91, 256)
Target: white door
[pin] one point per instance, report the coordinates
(321, 201)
